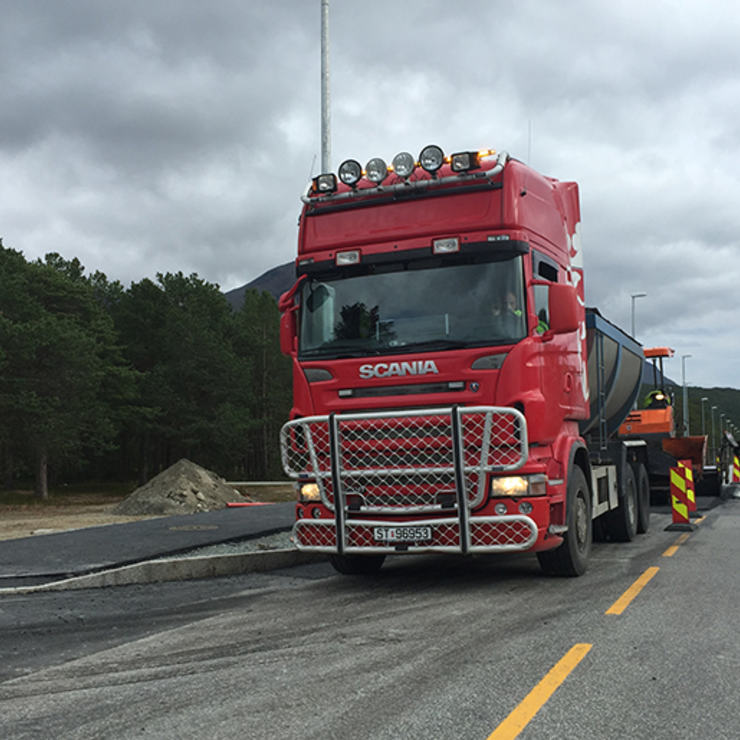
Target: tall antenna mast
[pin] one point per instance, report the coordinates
(325, 122)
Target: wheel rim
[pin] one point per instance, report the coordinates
(631, 501)
(581, 520)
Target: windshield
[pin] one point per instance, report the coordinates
(402, 310)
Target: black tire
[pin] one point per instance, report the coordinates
(642, 480)
(357, 565)
(621, 523)
(571, 557)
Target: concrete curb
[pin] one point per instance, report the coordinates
(177, 569)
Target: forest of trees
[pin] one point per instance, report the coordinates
(103, 383)
(99, 382)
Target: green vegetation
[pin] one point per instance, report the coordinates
(112, 385)
(725, 400)
(98, 382)
(87, 492)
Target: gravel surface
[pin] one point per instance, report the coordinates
(278, 541)
(184, 488)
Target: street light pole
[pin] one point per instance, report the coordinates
(685, 396)
(325, 104)
(703, 425)
(714, 436)
(634, 296)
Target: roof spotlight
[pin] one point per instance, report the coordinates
(464, 161)
(376, 170)
(324, 183)
(350, 172)
(431, 158)
(403, 164)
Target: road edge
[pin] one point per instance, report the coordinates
(177, 569)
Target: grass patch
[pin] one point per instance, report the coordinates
(92, 493)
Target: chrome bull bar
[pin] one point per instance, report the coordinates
(404, 463)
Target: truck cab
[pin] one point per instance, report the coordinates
(438, 337)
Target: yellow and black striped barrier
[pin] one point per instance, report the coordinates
(683, 497)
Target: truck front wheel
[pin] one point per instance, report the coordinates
(356, 565)
(571, 557)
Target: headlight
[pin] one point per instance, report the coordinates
(519, 485)
(309, 492)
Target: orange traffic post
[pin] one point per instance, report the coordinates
(680, 500)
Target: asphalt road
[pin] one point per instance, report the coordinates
(39, 559)
(431, 647)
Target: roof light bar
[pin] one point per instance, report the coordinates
(431, 159)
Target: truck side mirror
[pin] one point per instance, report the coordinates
(565, 311)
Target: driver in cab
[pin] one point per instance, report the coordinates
(508, 318)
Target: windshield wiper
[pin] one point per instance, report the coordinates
(338, 350)
(346, 349)
(432, 344)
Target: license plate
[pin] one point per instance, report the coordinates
(402, 534)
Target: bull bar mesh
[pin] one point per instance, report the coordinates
(406, 464)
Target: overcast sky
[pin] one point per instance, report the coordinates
(154, 136)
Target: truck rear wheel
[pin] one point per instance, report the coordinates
(621, 523)
(355, 565)
(571, 557)
(642, 481)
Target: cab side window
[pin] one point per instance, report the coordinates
(543, 269)
(541, 307)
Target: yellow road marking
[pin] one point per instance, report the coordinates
(538, 696)
(626, 598)
(671, 551)
(700, 520)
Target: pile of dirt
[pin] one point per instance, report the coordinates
(184, 488)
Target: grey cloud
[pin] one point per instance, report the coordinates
(145, 137)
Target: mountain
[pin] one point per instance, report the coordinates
(274, 281)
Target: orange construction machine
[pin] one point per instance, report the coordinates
(657, 415)
(655, 424)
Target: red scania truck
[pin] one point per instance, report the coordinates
(452, 393)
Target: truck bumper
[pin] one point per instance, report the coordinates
(509, 533)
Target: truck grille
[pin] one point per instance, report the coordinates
(404, 461)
